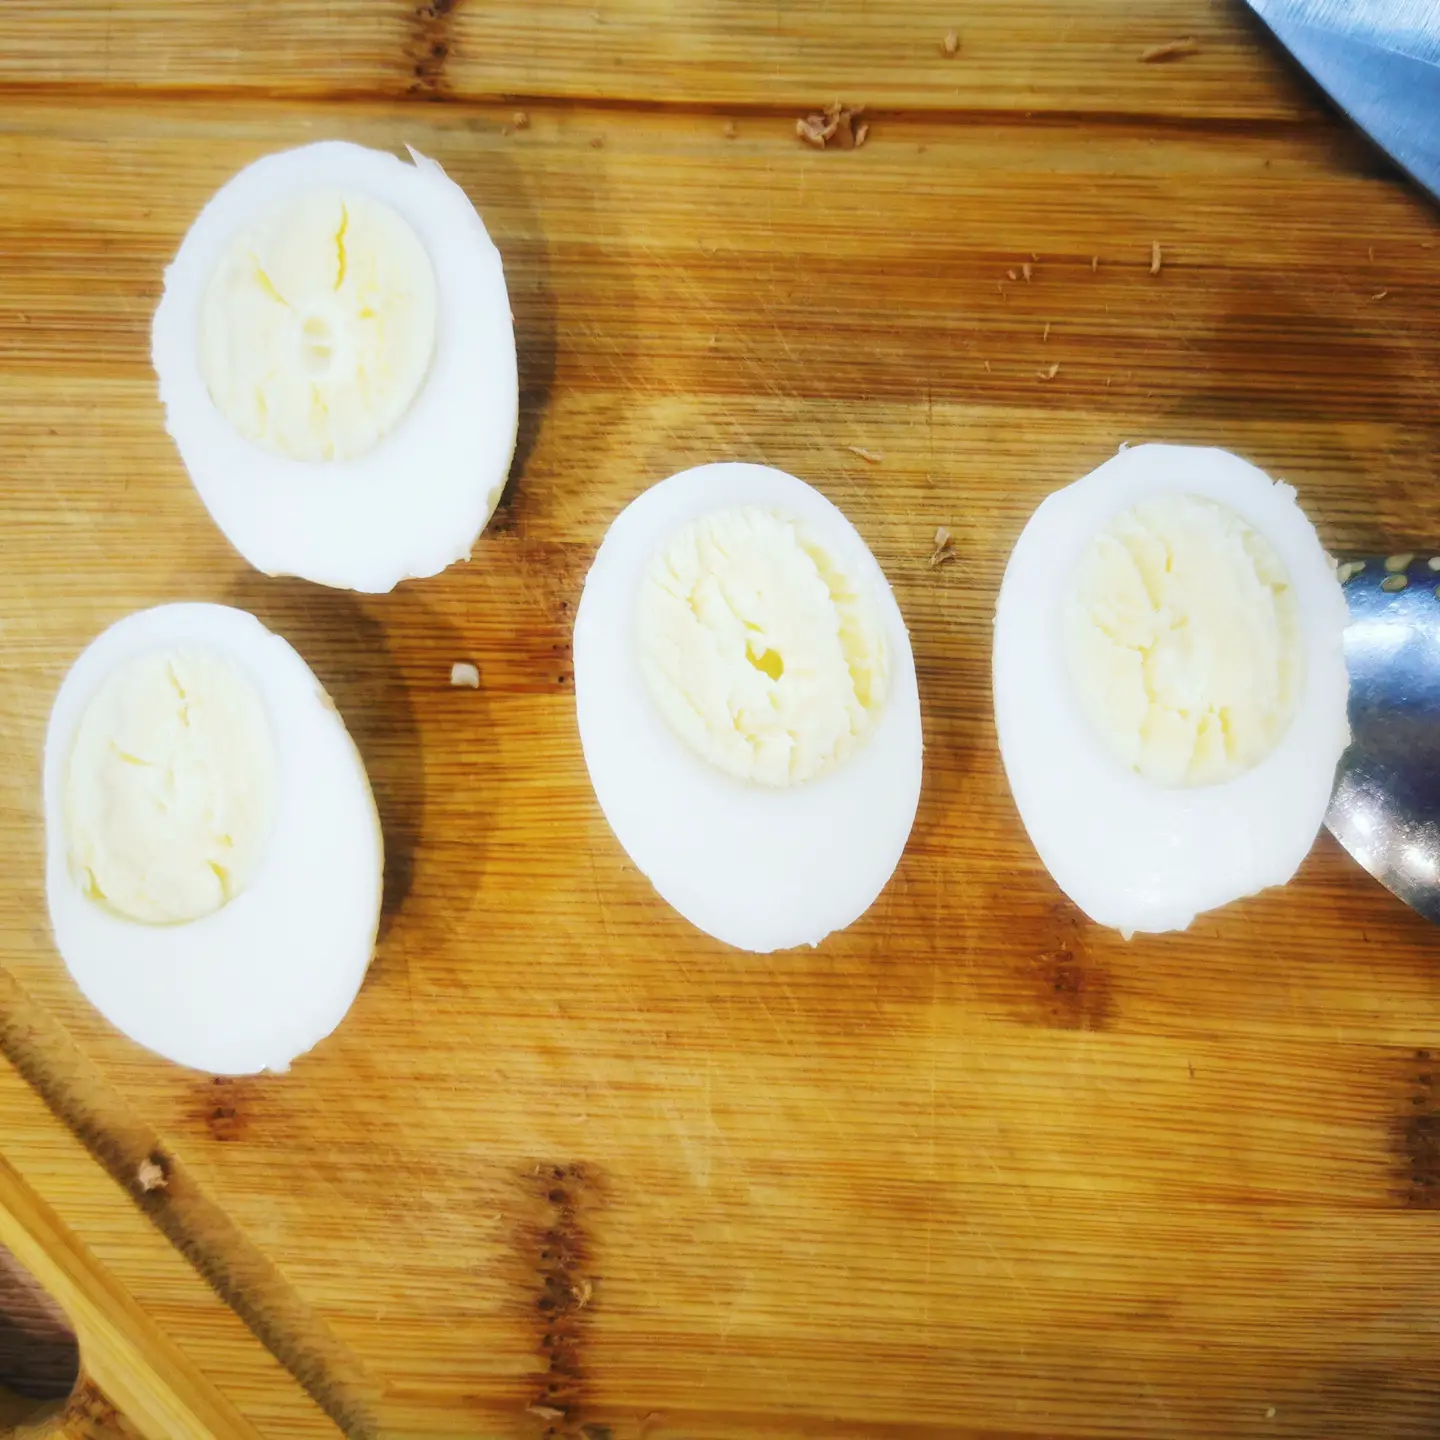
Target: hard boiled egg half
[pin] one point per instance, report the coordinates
(1170, 685)
(337, 364)
(213, 855)
(747, 705)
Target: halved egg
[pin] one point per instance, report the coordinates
(213, 853)
(747, 705)
(1170, 685)
(337, 363)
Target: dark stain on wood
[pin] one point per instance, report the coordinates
(221, 1108)
(1418, 1143)
(563, 1290)
(1071, 989)
(428, 48)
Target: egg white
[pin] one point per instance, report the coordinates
(1129, 853)
(758, 867)
(267, 976)
(414, 503)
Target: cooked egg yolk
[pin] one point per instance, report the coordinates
(1183, 641)
(318, 326)
(170, 787)
(761, 652)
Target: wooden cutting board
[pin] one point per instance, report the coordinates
(973, 1168)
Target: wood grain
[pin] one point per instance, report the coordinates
(1014, 55)
(973, 1168)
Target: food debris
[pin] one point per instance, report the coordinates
(837, 124)
(1027, 270)
(862, 133)
(582, 1293)
(1170, 50)
(597, 143)
(731, 129)
(1370, 253)
(150, 1175)
(1094, 263)
(546, 1412)
(520, 120)
(1269, 1412)
(1012, 274)
(1379, 294)
(1050, 371)
(1156, 258)
(950, 45)
(944, 548)
(873, 456)
(1046, 335)
(986, 364)
(1395, 563)
(463, 673)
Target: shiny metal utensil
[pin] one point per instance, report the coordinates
(1379, 60)
(1385, 809)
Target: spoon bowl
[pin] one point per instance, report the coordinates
(1385, 809)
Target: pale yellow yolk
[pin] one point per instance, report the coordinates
(760, 651)
(1184, 642)
(318, 326)
(170, 787)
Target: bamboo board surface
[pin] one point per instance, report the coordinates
(973, 1168)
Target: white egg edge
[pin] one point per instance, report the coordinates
(1162, 866)
(266, 977)
(834, 841)
(430, 486)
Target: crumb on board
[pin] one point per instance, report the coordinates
(1012, 274)
(1045, 334)
(520, 120)
(465, 675)
(862, 133)
(1170, 50)
(874, 457)
(1050, 371)
(1379, 294)
(986, 364)
(582, 1293)
(835, 124)
(944, 548)
(1027, 270)
(1157, 258)
(597, 142)
(150, 1175)
(1094, 263)
(731, 129)
(1370, 253)
(546, 1412)
(950, 45)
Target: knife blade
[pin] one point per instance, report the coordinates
(1379, 60)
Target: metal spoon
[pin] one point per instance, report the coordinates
(1385, 809)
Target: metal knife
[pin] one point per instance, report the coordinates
(1379, 60)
